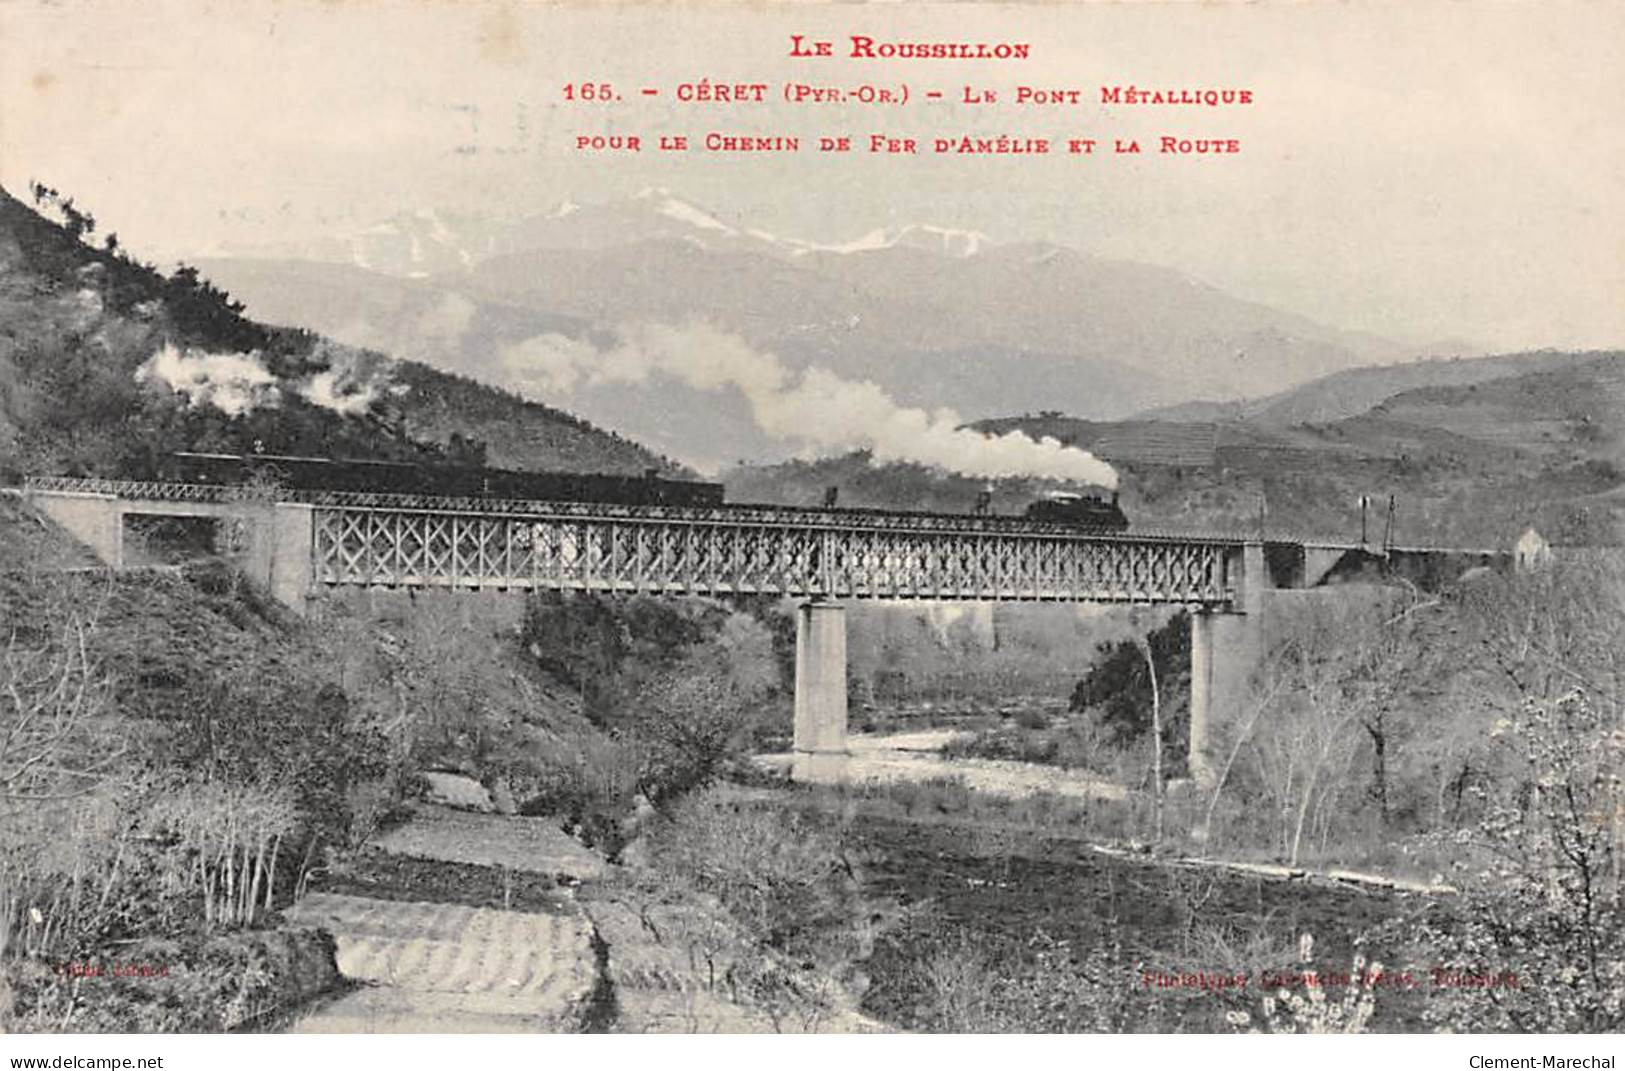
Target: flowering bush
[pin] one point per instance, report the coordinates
(1286, 1012)
(1539, 940)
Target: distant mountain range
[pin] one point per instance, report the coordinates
(934, 316)
(1472, 452)
(1348, 393)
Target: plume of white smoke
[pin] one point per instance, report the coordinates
(352, 382)
(817, 408)
(238, 383)
(233, 383)
(331, 390)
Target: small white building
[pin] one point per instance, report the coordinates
(1531, 551)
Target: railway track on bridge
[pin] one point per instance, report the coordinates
(741, 513)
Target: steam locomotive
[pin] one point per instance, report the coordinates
(1088, 511)
(1079, 510)
(444, 480)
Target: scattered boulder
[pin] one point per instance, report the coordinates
(457, 790)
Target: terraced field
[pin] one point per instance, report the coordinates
(446, 968)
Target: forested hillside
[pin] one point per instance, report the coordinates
(106, 361)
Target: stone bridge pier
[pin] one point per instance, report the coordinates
(820, 725)
(1226, 649)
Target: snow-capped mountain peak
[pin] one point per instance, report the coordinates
(676, 208)
(949, 240)
(945, 240)
(426, 241)
(414, 243)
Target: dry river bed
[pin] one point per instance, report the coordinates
(916, 756)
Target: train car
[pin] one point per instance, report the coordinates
(1079, 511)
(445, 481)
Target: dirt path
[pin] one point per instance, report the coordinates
(425, 967)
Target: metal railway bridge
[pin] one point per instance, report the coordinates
(411, 541)
(305, 542)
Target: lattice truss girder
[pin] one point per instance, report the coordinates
(410, 548)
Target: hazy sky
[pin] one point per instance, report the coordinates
(1422, 170)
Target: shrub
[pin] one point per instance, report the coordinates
(790, 881)
(593, 792)
(1032, 718)
(1073, 743)
(1119, 688)
(687, 724)
(232, 837)
(188, 759)
(966, 985)
(62, 826)
(1286, 1012)
(606, 647)
(245, 730)
(196, 984)
(71, 875)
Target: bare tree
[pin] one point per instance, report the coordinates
(1386, 653)
(53, 707)
(1556, 628)
(60, 842)
(1156, 740)
(1304, 757)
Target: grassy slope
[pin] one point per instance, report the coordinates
(29, 540)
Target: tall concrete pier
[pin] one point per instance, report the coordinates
(820, 730)
(1226, 649)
